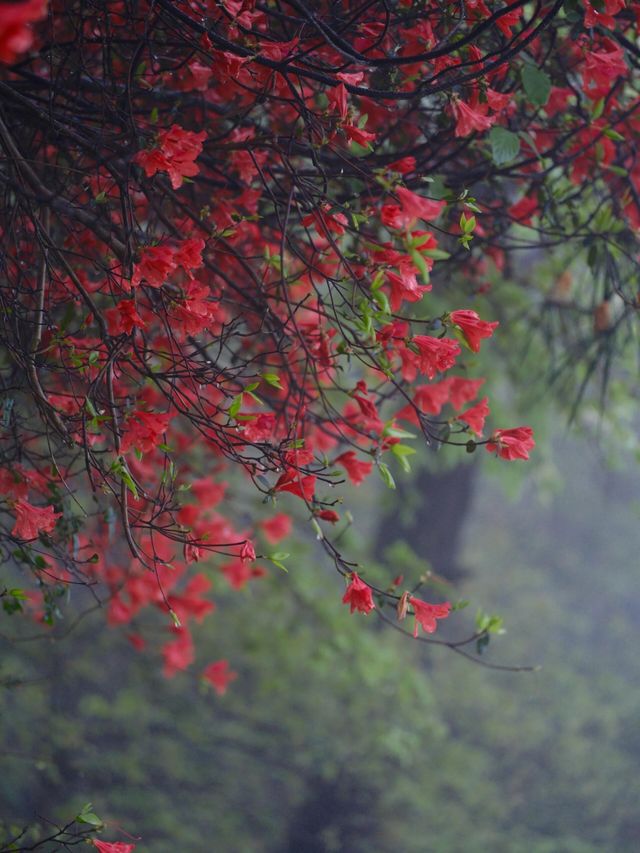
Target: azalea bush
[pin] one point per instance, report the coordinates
(229, 230)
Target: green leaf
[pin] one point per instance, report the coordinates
(537, 84)
(401, 451)
(279, 555)
(86, 815)
(396, 432)
(234, 408)
(467, 224)
(610, 133)
(119, 468)
(272, 379)
(421, 264)
(277, 560)
(504, 145)
(382, 301)
(437, 254)
(387, 477)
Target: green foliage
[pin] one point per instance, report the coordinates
(505, 145)
(537, 84)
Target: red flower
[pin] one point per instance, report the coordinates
(276, 528)
(417, 206)
(436, 354)
(195, 311)
(475, 416)
(190, 604)
(358, 595)
(247, 552)
(15, 32)
(298, 484)
(155, 266)
(337, 97)
(497, 100)
(238, 573)
(112, 846)
(523, 210)
(355, 134)
(176, 154)
(219, 676)
(469, 119)
(512, 443)
(404, 165)
(472, 327)
(261, 428)
(328, 515)
(33, 520)
(124, 318)
(179, 653)
(426, 614)
(412, 207)
(462, 391)
(144, 430)
(357, 469)
(405, 287)
(188, 254)
(601, 68)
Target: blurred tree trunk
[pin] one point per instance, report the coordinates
(442, 501)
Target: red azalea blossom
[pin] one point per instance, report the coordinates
(426, 614)
(357, 469)
(176, 153)
(124, 318)
(16, 35)
(188, 254)
(405, 287)
(276, 528)
(356, 134)
(522, 211)
(238, 573)
(247, 551)
(476, 416)
(337, 98)
(417, 206)
(436, 355)
(144, 431)
(470, 119)
(33, 520)
(329, 515)
(154, 267)
(462, 391)
(112, 846)
(261, 428)
(358, 595)
(219, 676)
(472, 327)
(512, 443)
(179, 653)
(298, 484)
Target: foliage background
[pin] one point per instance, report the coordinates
(340, 735)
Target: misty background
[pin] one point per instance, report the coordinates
(339, 734)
